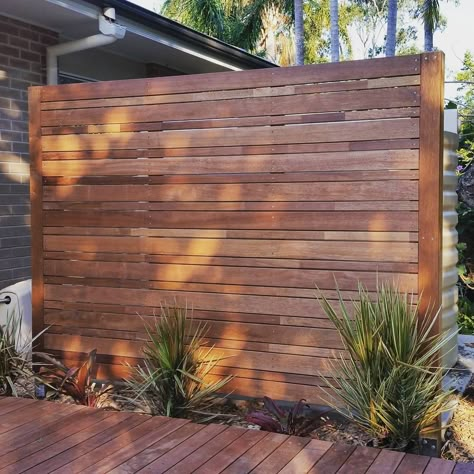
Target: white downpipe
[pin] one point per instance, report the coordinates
(109, 33)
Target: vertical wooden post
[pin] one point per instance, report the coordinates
(431, 201)
(431, 181)
(36, 196)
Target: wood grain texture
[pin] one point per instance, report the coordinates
(36, 197)
(302, 133)
(187, 112)
(431, 189)
(70, 438)
(236, 193)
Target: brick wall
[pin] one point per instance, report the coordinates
(22, 64)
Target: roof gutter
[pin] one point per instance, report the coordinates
(159, 22)
(109, 33)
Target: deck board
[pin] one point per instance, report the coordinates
(44, 437)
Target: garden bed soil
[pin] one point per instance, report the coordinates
(459, 444)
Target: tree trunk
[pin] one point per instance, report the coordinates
(334, 13)
(299, 32)
(391, 39)
(428, 37)
(430, 18)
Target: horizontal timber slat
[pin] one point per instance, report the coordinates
(236, 194)
(233, 234)
(241, 261)
(273, 362)
(361, 164)
(291, 278)
(332, 250)
(283, 306)
(237, 94)
(217, 150)
(149, 126)
(242, 107)
(405, 221)
(402, 189)
(304, 133)
(216, 331)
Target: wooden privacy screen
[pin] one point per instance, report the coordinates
(236, 193)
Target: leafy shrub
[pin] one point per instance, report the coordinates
(14, 360)
(75, 382)
(389, 384)
(465, 316)
(291, 422)
(173, 378)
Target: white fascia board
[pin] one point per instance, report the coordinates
(145, 32)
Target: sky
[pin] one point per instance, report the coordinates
(456, 38)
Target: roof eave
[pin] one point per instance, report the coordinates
(173, 28)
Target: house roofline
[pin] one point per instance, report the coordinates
(173, 28)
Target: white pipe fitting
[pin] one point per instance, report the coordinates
(109, 33)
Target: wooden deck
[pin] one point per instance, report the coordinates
(43, 437)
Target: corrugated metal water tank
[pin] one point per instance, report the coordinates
(450, 235)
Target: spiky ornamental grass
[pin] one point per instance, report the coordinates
(173, 379)
(390, 381)
(14, 363)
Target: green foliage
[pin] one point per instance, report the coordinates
(465, 227)
(465, 101)
(317, 26)
(466, 316)
(12, 364)
(15, 366)
(75, 382)
(173, 379)
(238, 22)
(389, 384)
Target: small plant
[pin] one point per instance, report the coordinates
(390, 384)
(291, 422)
(465, 318)
(75, 382)
(173, 378)
(14, 363)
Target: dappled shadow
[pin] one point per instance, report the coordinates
(240, 220)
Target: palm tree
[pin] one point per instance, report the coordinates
(334, 14)
(430, 11)
(205, 16)
(299, 32)
(391, 40)
(238, 22)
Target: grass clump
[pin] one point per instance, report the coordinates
(14, 363)
(175, 377)
(390, 382)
